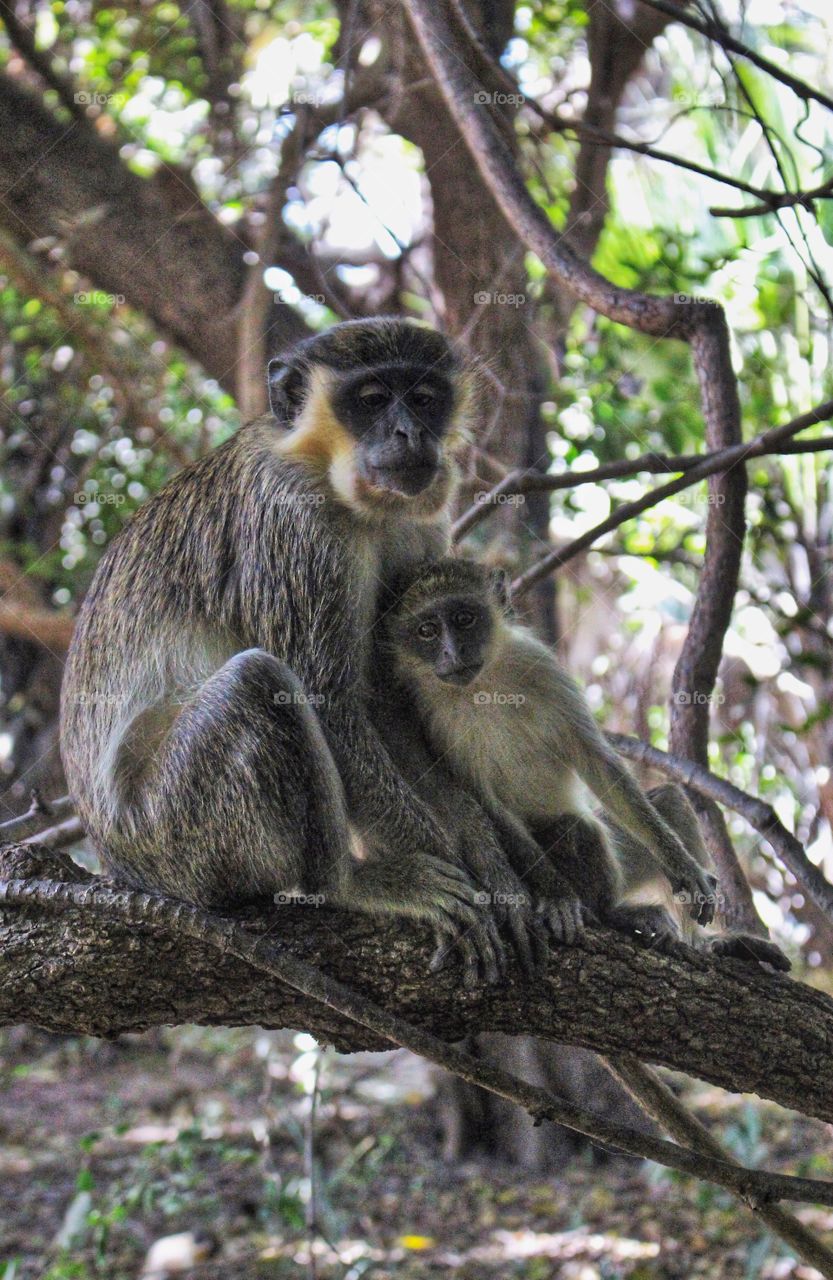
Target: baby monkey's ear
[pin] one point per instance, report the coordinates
(499, 584)
(286, 389)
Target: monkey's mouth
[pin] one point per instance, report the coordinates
(460, 676)
(408, 481)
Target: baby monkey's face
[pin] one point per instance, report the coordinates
(448, 638)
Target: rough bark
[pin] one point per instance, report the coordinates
(730, 1023)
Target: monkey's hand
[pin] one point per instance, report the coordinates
(511, 902)
(462, 923)
(696, 889)
(515, 911)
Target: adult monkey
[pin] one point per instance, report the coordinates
(243, 595)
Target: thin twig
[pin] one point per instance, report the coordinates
(716, 32)
(65, 833)
(590, 134)
(37, 811)
(760, 815)
(654, 1096)
(517, 483)
(720, 460)
(774, 201)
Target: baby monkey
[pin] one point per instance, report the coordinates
(506, 718)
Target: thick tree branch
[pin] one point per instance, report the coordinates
(151, 241)
(101, 973)
(228, 938)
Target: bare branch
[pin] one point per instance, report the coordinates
(39, 810)
(716, 32)
(519, 482)
(757, 813)
(719, 460)
(23, 40)
(774, 200)
(654, 1096)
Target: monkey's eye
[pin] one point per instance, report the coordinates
(372, 395)
(428, 631)
(465, 618)
(423, 396)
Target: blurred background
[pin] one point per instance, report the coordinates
(185, 189)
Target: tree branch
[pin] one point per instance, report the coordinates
(358, 1016)
(654, 1096)
(721, 459)
(716, 32)
(760, 815)
(520, 482)
(108, 965)
(774, 200)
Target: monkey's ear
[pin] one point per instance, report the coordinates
(286, 389)
(499, 583)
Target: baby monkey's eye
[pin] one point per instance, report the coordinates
(428, 630)
(465, 618)
(373, 395)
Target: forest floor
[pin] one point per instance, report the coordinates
(106, 1150)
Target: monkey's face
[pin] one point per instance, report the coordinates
(377, 402)
(448, 639)
(398, 416)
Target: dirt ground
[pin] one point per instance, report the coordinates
(228, 1138)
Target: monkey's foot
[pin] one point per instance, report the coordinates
(650, 926)
(528, 935)
(479, 946)
(745, 946)
(565, 918)
(699, 894)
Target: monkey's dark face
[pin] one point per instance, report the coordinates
(398, 415)
(450, 637)
(383, 403)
